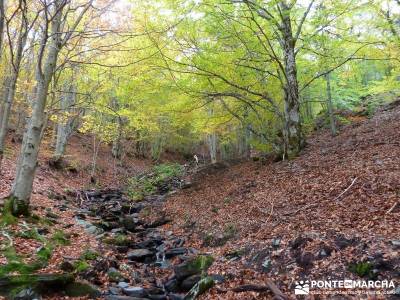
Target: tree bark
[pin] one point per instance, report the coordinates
(293, 135)
(65, 126)
(23, 182)
(12, 84)
(2, 19)
(330, 104)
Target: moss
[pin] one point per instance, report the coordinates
(89, 255)
(81, 266)
(200, 288)
(78, 289)
(362, 269)
(200, 264)
(31, 234)
(16, 265)
(118, 240)
(59, 238)
(7, 218)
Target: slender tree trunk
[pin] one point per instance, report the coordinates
(2, 19)
(23, 182)
(330, 104)
(65, 127)
(117, 143)
(293, 135)
(212, 146)
(12, 85)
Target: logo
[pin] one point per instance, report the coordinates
(302, 287)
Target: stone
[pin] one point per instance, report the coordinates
(115, 297)
(139, 254)
(123, 285)
(94, 230)
(114, 275)
(79, 289)
(266, 265)
(114, 290)
(193, 266)
(395, 244)
(218, 278)
(200, 288)
(276, 243)
(67, 266)
(175, 252)
(128, 223)
(175, 297)
(189, 282)
(305, 260)
(27, 294)
(172, 285)
(157, 297)
(134, 291)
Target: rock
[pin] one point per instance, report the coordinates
(189, 282)
(114, 275)
(114, 290)
(27, 294)
(134, 291)
(193, 266)
(201, 287)
(52, 215)
(158, 297)
(155, 293)
(175, 297)
(299, 242)
(276, 243)
(139, 254)
(67, 266)
(218, 278)
(123, 285)
(266, 265)
(175, 252)
(172, 285)
(115, 297)
(129, 223)
(305, 260)
(42, 281)
(94, 230)
(342, 242)
(79, 289)
(324, 252)
(395, 244)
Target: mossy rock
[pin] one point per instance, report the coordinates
(10, 285)
(193, 266)
(200, 288)
(80, 289)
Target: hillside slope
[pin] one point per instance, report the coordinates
(332, 207)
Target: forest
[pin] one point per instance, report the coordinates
(199, 149)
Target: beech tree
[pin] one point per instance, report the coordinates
(55, 34)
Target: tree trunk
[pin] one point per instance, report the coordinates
(2, 18)
(330, 104)
(12, 85)
(212, 146)
(293, 135)
(66, 125)
(116, 149)
(23, 182)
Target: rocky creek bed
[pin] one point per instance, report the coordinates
(135, 259)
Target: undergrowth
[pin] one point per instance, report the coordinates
(148, 184)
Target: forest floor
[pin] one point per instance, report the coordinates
(333, 212)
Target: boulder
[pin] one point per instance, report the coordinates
(139, 255)
(189, 282)
(175, 252)
(134, 291)
(193, 266)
